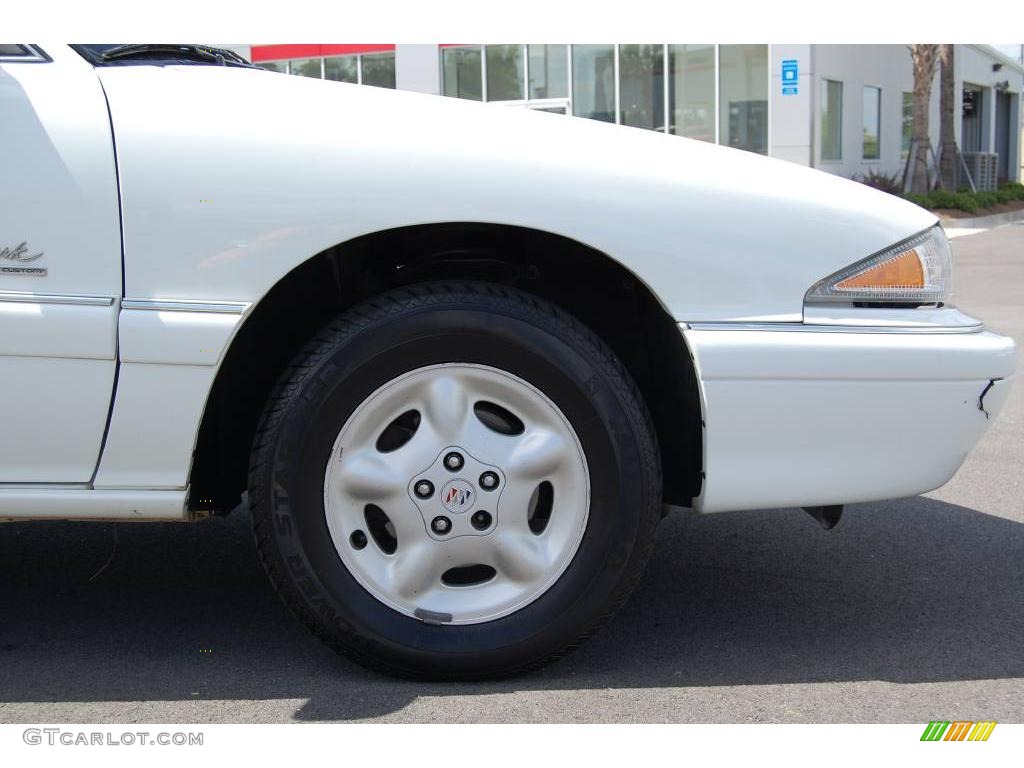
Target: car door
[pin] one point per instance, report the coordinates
(60, 265)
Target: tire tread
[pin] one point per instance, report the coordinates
(474, 295)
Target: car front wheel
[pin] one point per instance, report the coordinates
(455, 481)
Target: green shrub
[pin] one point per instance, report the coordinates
(986, 199)
(1010, 191)
(958, 201)
(969, 202)
(965, 202)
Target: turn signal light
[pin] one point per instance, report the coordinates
(904, 271)
(916, 271)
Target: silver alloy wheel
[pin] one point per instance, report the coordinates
(457, 493)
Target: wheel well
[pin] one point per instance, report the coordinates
(586, 283)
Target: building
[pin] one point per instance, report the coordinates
(845, 109)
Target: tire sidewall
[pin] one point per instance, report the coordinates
(547, 350)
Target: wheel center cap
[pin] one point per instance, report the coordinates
(457, 496)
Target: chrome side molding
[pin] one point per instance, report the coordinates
(186, 305)
(20, 297)
(823, 328)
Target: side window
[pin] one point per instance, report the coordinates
(21, 52)
(907, 127)
(831, 120)
(872, 122)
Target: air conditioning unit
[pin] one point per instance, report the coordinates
(983, 167)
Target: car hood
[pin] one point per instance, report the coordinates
(296, 165)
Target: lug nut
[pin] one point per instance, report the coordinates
(481, 520)
(424, 489)
(489, 481)
(358, 539)
(454, 461)
(440, 525)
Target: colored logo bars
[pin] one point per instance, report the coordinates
(457, 497)
(960, 730)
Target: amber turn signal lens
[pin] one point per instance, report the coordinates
(915, 271)
(904, 271)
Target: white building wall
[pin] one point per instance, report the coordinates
(889, 68)
(791, 125)
(883, 66)
(975, 65)
(418, 68)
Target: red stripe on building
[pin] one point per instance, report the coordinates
(314, 50)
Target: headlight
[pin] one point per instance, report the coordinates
(915, 271)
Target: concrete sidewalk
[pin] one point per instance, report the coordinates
(976, 225)
(984, 222)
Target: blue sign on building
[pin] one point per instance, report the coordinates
(790, 77)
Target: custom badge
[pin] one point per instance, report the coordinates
(17, 257)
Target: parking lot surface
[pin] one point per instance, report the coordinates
(909, 611)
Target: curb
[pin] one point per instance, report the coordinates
(984, 222)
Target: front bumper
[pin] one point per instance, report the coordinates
(807, 416)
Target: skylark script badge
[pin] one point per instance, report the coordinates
(20, 255)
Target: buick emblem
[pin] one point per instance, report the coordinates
(457, 496)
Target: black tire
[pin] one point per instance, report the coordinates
(424, 325)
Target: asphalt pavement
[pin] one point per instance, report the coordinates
(909, 611)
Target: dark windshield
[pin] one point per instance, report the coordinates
(93, 51)
(106, 54)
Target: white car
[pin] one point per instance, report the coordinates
(458, 360)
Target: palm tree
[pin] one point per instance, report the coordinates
(924, 58)
(947, 110)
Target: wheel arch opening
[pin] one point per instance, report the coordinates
(585, 282)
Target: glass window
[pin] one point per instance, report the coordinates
(971, 119)
(461, 73)
(642, 86)
(908, 123)
(275, 66)
(593, 82)
(691, 91)
(379, 69)
(506, 78)
(743, 96)
(549, 71)
(342, 68)
(305, 67)
(872, 121)
(831, 120)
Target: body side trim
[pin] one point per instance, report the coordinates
(20, 297)
(54, 503)
(815, 328)
(184, 305)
